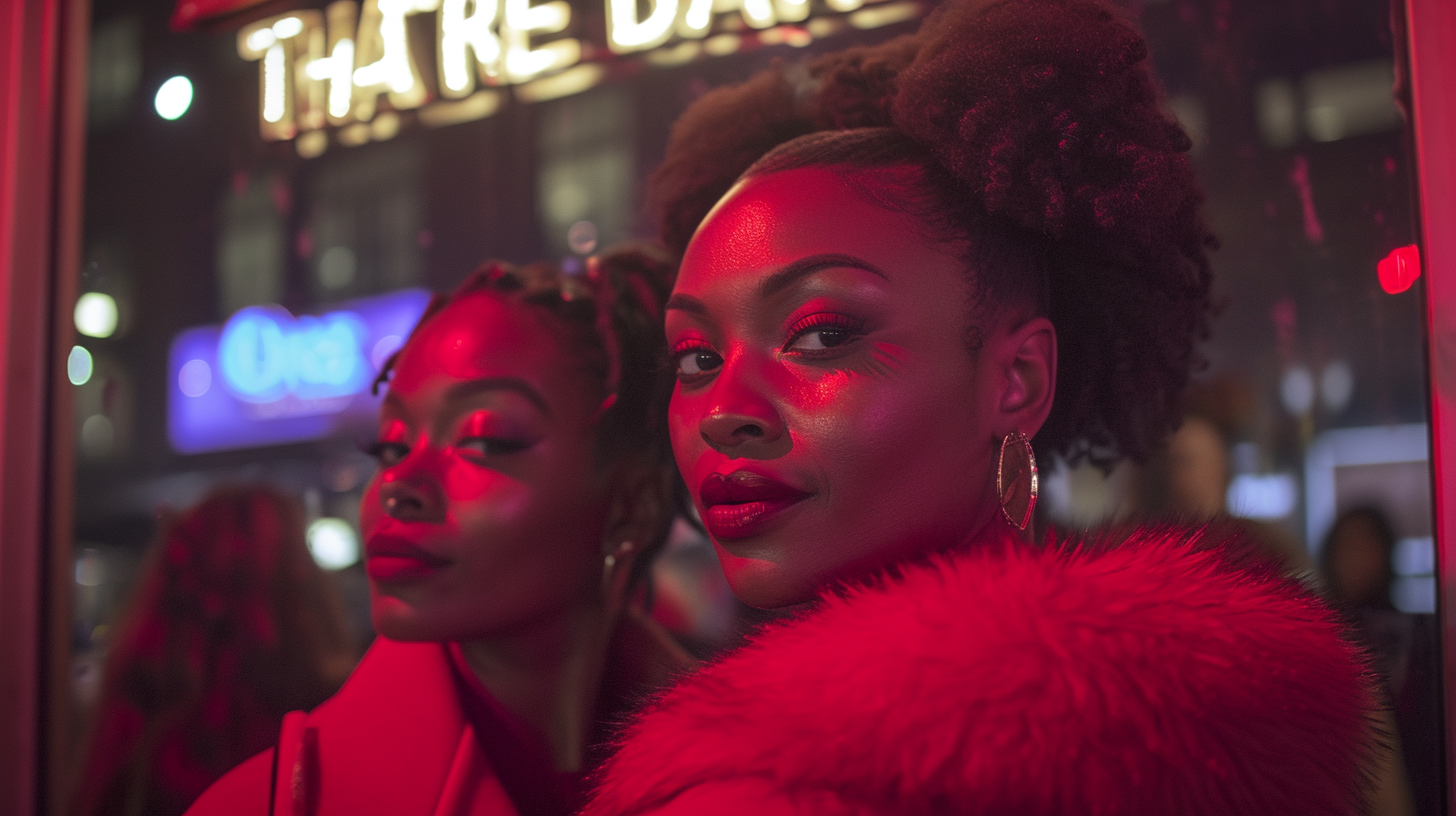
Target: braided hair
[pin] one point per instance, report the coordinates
(609, 318)
(1032, 134)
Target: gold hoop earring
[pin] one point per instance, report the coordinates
(1016, 479)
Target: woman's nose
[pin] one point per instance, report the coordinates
(409, 495)
(740, 420)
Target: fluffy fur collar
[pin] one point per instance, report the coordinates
(1166, 671)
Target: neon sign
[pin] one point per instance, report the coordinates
(265, 354)
(267, 377)
(331, 68)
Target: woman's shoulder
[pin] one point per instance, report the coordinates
(243, 791)
(390, 735)
(1157, 670)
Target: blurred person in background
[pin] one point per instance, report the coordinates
(231, 626)
(1356, 561)
(524, 490)
(1189, 479)
(1196, 473)
(1357, 564)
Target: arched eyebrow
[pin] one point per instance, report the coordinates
(687, 303)
(471, 388)
(784, 278)
(794, 272)
(464, 391)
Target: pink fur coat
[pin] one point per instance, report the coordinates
(1163, 673)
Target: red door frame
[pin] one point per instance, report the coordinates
(42, 108)
(1431, 27)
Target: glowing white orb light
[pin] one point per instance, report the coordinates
(79, 366)
(174, 98)
(333, 543)
(1297, 390)
(95, 314)
(194, 378)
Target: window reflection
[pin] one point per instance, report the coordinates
(1308, 424)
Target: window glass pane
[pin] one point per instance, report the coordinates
(274, 188)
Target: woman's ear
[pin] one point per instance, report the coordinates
(1029, 378)
(638, 502)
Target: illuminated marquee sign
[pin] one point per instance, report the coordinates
(267, 377)
(330, 68)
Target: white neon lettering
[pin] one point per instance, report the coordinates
(757, 13)
(625, 32)
(275, 84)
(522, 21)
(337, 69)
(312, 74)
(287, 27)
(698, 17)
(287, 99)
(261, 40)
(792, 11)
(383, 41)
(461, 32)
(392, 68)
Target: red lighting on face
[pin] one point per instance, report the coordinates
(1399, 270)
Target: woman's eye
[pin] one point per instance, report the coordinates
(388, 454)
(492, 445)
(822, 332)
(693, 362)
(820, 339)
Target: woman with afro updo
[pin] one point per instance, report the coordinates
(907, 273)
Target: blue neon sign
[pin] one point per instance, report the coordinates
(267, 377)
(265, 353)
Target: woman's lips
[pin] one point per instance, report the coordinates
(393, 559)
(743, 504)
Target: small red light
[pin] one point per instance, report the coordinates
(1399, 269)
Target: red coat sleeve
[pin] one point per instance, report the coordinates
(243, 791)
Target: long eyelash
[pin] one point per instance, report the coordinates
(501, 445)
(825, 320)
(851, 326)
(378, 447)
(691, 344)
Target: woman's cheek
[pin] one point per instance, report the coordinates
(370, 511)
(873, 369)
(466, 482)
(684, 418)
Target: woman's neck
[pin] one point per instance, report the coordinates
(548, 674)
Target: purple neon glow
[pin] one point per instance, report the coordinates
(207, 411)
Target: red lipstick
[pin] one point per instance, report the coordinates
(394, 559)
(743, 504)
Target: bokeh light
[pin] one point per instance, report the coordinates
(95, 314)
(1400, 269)
(174, 98)
(79, 366)
(333, 543)
(194, 378)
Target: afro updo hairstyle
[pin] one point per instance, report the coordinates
(609, 318)
(1034, 135)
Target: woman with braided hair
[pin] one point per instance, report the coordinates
(900, 282)
(522, 494)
